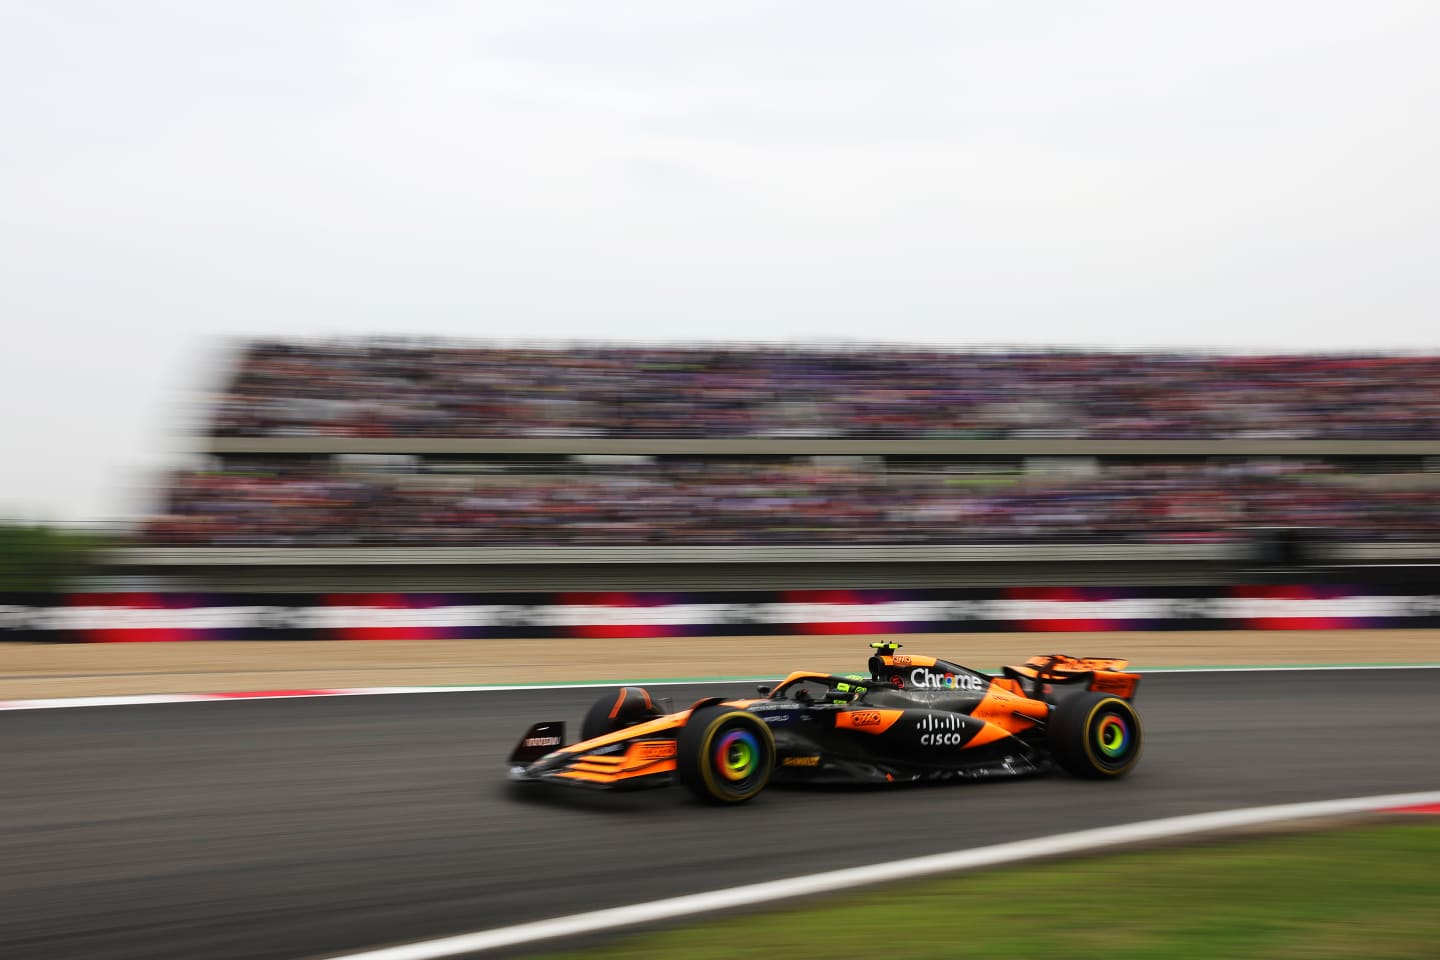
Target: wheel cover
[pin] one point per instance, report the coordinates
(1113, 735)
(736, 755)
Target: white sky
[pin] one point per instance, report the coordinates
(1224, 174)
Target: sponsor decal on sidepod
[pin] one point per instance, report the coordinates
(942, 731)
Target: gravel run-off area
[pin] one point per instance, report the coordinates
(29, 671)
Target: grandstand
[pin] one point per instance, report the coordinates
(485, 466)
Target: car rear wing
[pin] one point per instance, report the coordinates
(1104, 675)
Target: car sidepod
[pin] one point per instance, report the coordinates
(875, 743)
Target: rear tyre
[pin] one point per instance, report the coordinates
(725, 755)
(1095, 736)
(616, 711)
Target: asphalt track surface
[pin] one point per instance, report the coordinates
(297, 828)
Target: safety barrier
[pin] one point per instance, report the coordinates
(135, 616)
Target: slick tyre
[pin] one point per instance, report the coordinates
(622, 708)
(1095, 736)
(725, 755)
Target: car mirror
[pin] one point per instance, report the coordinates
(763, 690)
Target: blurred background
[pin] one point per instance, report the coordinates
(180, 180)
(631, 329)
(364, 442)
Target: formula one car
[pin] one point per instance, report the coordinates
(912, 718)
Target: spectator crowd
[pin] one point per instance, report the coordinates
(377, 389)
(707, 502)
(372, 388)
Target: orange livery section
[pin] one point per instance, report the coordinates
(867, 721)
(1106, 675)
(1114, 682)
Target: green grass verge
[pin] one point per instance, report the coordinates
(1370, 892)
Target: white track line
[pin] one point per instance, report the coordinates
(58, 703)
(62, 703)
(756, 894)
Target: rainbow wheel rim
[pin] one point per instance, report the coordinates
(737, 755)
(1113, 736)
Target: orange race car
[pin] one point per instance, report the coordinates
(911, 718)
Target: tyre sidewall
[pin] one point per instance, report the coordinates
(695, 754)
(1074, 735)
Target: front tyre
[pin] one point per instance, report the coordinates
(724, 755)
(1095, 736)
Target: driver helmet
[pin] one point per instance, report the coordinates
(850, 685)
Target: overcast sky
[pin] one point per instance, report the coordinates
(1238, 175)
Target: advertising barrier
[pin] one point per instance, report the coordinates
(130, 617)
